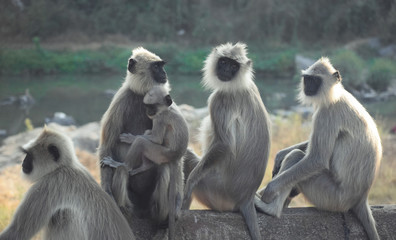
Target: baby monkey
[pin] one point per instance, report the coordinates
(165, 146)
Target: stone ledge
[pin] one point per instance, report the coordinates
(295, 223)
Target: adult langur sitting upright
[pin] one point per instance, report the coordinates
(235, 137)
(127, 114)
(335, 168)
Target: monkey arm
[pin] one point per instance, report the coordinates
(32, 214)
(214, 154)
(158, 132)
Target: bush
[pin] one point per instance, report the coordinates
(351, 67)
(382, 71)
(273, 62)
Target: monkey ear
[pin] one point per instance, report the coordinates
(131, 65)
(337, 75)
(168, 100)
(249, 63)
(53, 150)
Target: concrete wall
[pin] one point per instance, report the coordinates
(295, 223)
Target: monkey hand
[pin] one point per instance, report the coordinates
(270, 193)
(280, 156)
(127, 138)
(110, 162)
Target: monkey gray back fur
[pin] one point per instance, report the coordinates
(64, 200)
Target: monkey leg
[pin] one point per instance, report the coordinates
(363, 213)
(120, 187)
(152, 151)
(127, 138)
(249, 214)
(275, 207)
(160, 205)
(203, 168)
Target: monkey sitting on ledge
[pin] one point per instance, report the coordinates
(65, 200)
(336, 167)
(163, 146)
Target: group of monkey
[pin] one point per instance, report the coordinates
(147, 169)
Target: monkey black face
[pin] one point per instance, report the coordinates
(168, 100)
(227, 68)
(151, 109)
(158, 72)
(311, 84)
(27, 164)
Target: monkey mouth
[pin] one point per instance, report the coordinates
(224, 77)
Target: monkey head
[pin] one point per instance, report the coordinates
(145, 70)
(157, 100)
(320, 83)
(46, 153)
(228, 68)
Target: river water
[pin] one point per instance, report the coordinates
(83, 96)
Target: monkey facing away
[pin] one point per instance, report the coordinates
(169, 138)
(64, 200)
(336, 168)
(126, 114)
(235, 137)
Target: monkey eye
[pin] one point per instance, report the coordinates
(234, 66)
(222, 62)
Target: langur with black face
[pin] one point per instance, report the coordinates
(235, 137)
(336, 167)
(127, 114)
(164, 146)
(64, 200)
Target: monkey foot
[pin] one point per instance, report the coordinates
(271, 209)
(146, 165)
(110, 162)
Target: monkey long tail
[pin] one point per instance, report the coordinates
(172, 201)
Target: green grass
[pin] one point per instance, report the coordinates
(38, 61)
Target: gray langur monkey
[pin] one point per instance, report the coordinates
(126, 114)
(235, 137)
(169, 138)
(64, 199)
(336, 168)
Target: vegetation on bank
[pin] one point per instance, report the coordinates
(275, 61)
